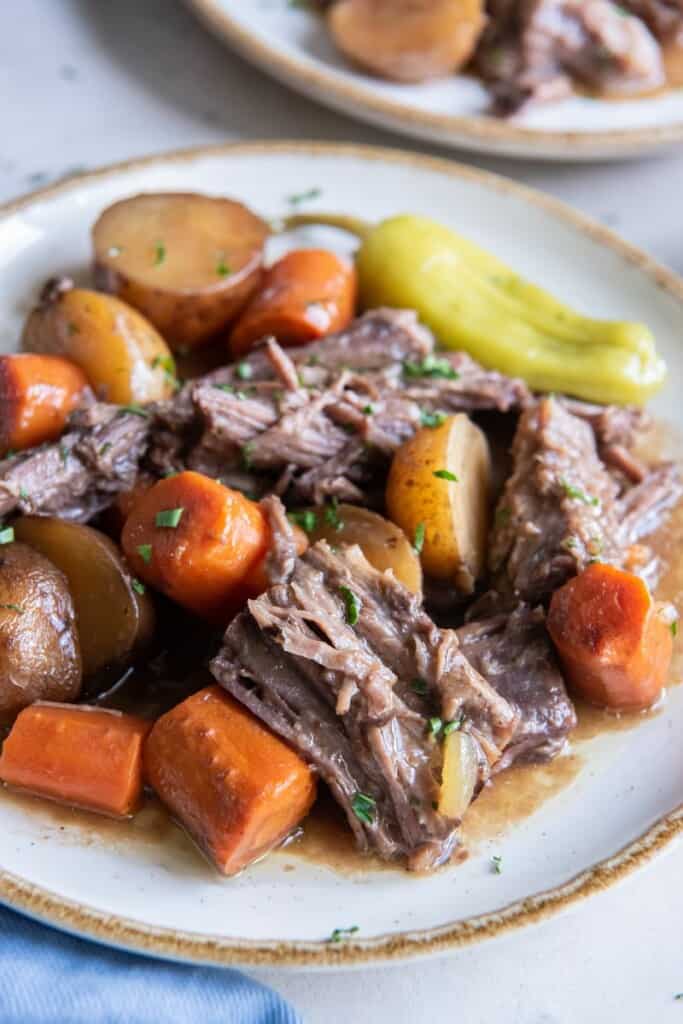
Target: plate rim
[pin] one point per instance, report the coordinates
(487, 132)
(69, 915)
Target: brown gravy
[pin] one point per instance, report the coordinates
(325, 838)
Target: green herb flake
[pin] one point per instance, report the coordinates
(419, 538)
(445, 474)
(304, 197)
(569, 543)
(331, 515)
(339, 934)
(419, 686)
(352, 605)
(364, 807)
(137, 586)
(434, 727)
(134, 410)
(165, 363)
(577, 494)
(169, 517)
(145, 552)
(368, 410)
(306, 519)
(430, 366)
(13, 608)
(63, 454)
(246, 453)
(454, 726)
(159, 254)
(497, 864)
(432, 419)
(23, 494)
(244, 371)
(673, 627)
(7, 535)
(168, 473)
(10, 453)
(222, 268)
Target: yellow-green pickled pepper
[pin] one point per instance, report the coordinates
(473, 301)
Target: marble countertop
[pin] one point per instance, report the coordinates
(87, 82)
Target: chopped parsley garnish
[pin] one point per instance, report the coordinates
(13, 608)
(368, 410)
(137, 586)
(445, 474)
(339, 934)
(331, 515)
(352, 604)
(306, 519)
(159, 254)
(575, 492)
(673, 627)
(454, 726)
(165, 363)
(304, 197)
(419, 538)
(363, 807)
(23, 494)
(497, 864)
(167, 473)
(430, 366)
(246, 452)
(419, 686)
(105, 448)
(135, 409)
(568, 543)
(223, 268)
(145, 552)
(7, 535)
(169, 517)
(63, 453)
(244, 371)
(434, 727)
(10, 453)
(432, 419)
(229, 390)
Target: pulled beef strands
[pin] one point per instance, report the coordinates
(562, 508)
(298, 419)
(514, 654)
(337, 687)
(533, 48)
(78, 477)
(663, 17)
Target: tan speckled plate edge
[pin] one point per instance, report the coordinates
(81, 920)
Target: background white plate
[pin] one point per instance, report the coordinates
(159, 896)
(293, 45)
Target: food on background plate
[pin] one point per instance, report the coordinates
(525, 52)
(329, 528)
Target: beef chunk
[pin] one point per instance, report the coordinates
(533, 48)
(76, 478)
(514, 654)
(354, 696)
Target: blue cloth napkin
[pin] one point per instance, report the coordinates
(47, 977)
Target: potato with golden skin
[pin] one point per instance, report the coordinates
(114, 614)
(188, 262)
(407, 40)
(40, 657)
(123, 356)
(383, 543)
(439, 488)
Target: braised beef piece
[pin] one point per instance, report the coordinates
(514, 654)
(663, 17)
(533, 49)
(345, 665)
(562, 507)
(78, 477)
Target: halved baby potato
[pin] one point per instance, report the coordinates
(407, 40)
(114, 615)
(188, 262)
(439, 490)
(383, 543)
(124, 358)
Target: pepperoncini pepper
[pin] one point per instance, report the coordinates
(473, 301)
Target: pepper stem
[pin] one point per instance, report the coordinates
(354, 225)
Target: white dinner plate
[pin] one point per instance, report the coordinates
(611, 803)
(291, 43)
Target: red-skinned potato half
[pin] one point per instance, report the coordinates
(614, 641)
(304, 296)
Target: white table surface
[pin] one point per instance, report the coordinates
(87, 82)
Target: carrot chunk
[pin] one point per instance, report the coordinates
(614, 641)
(37, 394)
(235, 787)
(83, 756)
(305, 295)
(195, 540)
